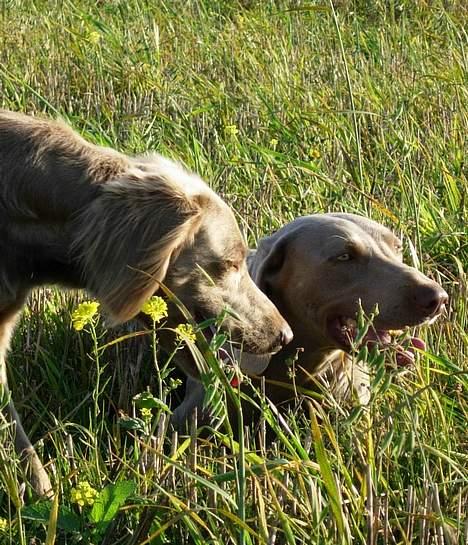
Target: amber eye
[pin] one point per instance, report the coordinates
(344, 257)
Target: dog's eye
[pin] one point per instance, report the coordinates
(344, 257)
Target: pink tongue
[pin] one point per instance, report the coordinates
(405, 358)
(418, 343)
(380, 337)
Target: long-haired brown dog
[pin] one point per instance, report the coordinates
(79, 215)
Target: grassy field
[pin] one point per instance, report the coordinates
(285, 108)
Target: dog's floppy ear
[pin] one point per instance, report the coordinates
(265, 267)
(266, 264)
(127, 237)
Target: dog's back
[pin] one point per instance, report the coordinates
(47, 171)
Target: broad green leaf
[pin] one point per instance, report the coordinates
(129, 423)
(146, 400)
(108, 502)
(40, 512)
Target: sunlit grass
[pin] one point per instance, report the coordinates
(285, 109)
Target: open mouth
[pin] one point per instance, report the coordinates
(344, 331)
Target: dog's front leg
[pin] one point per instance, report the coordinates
(193, 399)
(30, 460)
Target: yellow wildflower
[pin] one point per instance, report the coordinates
(94, 37)
(146, 414)
(185, 333)
(231, 130)
(273, 143)
(4, 525)
(84, 314)
(314, 153)
(155, 308)
(83, 494)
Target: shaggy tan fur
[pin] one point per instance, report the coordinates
(84, 216)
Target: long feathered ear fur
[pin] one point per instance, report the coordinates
(127, 236)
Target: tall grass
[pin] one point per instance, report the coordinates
(285, 108)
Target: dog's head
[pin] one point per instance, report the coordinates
(157, 223)
(319, 269)
(210, 275)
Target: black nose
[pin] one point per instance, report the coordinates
(430, 299)
(286, 336)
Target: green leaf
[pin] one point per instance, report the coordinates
(40, 512)
(108, 502)
(128, 423)
(146, 400)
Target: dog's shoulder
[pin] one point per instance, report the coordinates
(47, 170)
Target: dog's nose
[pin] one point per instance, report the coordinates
(286, 336)
(430, 299)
